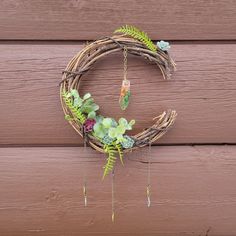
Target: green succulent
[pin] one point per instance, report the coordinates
(102, 126)
(128, 142)
(107, 140)
(86, 104)
(119, 131)
(108, 127)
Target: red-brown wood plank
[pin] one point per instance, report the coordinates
(203, 91)
(81, 19)
(193, 191)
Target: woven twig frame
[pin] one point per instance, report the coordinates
(85, 60)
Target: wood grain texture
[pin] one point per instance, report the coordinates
(81, 19)
(192, 192)
(203, 91)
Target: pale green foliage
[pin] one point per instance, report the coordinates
(75, 110)
(137, 34)
(112, 150)
(86, 104)
(107, 130)
(127, 142)
(120, 151)
(111, 159)
(114, 130)
(107, 140)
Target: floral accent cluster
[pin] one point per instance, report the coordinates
(106, 129)
(88, 125)
(109, 131)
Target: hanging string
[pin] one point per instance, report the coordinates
(149, 176)
(85, 177)
(112, 196)
(125, 63)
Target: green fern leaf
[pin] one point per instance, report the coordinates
(120, 151)
(111, 159)
(74, 110)
(137, 34)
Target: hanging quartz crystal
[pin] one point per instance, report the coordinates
(125, 88)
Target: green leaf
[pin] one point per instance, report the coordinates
(107, 122)
(123, 122)
(89, 101)
(68, 95)
(112, 132)
(86, 96)
(132, 122)
(120, 129)
(67, 117)
(92, 115)
(128, 142)
(114, 123)
(111, 159)
(74, 110)
(119, 138)
(99, 131)
(137, 34)
(78, 102)
(99, 119)
(95, 107)
(74, 93)
(120, 151)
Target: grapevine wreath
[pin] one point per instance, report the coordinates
(105, 134)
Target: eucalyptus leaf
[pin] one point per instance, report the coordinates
(99, 118)
(114, 123)
(92, 115)
(86, 96)
(78, 102)
(99, 131)
(112, 132)
(74, 93)
(107, 122)
(119, 138)
(123, 121)
(132, 122)
(120, 129)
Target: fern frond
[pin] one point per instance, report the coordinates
(111, 159)
(137, 34)
(120, 151)
(74, 110)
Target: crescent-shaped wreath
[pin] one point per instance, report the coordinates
(104, 134)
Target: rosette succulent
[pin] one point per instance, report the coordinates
(88, 125)
(127, 142)
(164, 46)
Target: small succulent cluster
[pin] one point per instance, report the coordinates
(163, 45)
(107, 130)
(85, 104)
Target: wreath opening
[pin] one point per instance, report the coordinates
(105, 134)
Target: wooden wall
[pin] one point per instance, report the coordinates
(42, 159)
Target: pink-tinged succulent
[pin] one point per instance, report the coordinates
(88, 125)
